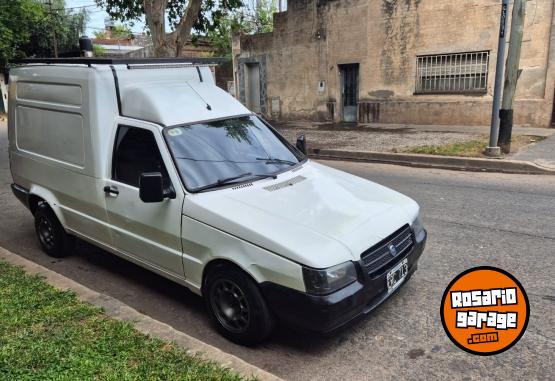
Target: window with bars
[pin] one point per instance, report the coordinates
(459, 73)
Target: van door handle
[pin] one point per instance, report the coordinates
(111, 190)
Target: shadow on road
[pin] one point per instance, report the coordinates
(98, 260)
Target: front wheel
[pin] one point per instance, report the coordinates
(237, 306)
(50, 232)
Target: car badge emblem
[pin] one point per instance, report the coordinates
(392, 250)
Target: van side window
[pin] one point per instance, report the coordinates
(136, 152)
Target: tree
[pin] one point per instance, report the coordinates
(220, 35)
(264, 16)
(98, 50)
(67, 24)
(27, 28)
(118, 31)
(183, 16)
(256, 18)
(17, 21)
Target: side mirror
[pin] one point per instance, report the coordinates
(151, 188)
(301, 144)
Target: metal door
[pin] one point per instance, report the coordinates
(252, 86)
(349, 91)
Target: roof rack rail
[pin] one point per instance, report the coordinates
(122, 61)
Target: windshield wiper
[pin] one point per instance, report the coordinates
(229, 180)
(224, 181)
(273, 160)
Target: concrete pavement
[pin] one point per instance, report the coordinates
(391, 144)
(473, 219)
(377, 137)
(542, 153)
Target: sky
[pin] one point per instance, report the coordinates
(97, 16)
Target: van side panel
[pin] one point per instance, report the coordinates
(50, 93)
(52, 143)
(53, 134)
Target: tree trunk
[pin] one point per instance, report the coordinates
(183, 30)
(155, 19)
(170, 44)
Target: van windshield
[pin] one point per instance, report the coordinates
(212, 154)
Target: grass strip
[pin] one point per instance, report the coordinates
(47, 334)
(472, 148)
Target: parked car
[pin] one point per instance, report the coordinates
(151, 161)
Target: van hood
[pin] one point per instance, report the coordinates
(314, 215)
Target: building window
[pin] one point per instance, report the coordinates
(460, 73)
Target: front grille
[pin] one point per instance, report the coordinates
(379, 255)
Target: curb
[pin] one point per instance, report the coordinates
(432, 161)
(144, 324)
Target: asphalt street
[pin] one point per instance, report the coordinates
(473, 219)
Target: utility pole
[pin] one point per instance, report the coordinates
(54, 40)
(512, 73)
(493, 149)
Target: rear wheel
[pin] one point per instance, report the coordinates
(237, 306)
(52, 237)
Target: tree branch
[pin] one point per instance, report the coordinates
(183, 29)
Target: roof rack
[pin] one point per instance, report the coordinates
(122, 61)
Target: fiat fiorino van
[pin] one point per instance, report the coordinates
(152, 162)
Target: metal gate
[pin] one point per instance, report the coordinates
(252, 87)
(349, 91)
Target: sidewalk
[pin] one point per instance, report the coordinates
(542, 153)
(392, 144)
(388, 137)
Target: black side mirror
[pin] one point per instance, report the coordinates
(301, 144)
(151, 188)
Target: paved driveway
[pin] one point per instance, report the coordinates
(473, 219)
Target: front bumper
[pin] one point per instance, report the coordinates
(330, 312)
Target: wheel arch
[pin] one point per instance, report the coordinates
(38, 194)
(223, 263)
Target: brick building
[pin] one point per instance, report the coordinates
(393, 61)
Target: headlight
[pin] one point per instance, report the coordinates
(418, 228)
(329, 280)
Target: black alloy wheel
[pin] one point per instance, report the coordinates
(236, 305)
(51, 234)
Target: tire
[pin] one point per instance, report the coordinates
(237, 307)
(51, 235)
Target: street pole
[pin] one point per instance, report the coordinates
(493, 149)
(512, 73)
(54, 40)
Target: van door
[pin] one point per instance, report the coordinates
(147, 232)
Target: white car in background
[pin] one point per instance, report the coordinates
(151, 161)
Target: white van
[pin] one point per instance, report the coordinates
(151, 161)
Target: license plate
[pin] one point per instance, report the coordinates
(396, 276)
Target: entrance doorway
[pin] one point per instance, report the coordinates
(349, 92)
(252, 86)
